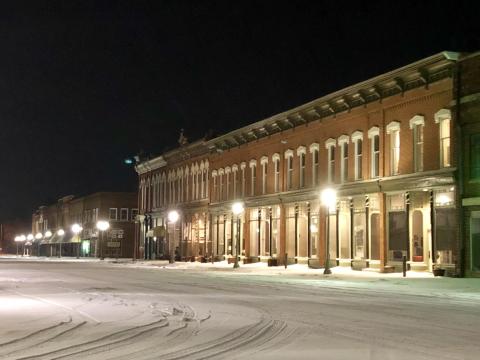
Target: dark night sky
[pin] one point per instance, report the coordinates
(82, 87)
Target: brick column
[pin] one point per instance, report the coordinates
(382, 230)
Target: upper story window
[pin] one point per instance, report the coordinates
(235, 180)
(264, 163)
(343, 143)
(221, 190)
(314, 150)
(374, 136)
(242, 167)
(301, 152)
(215, 185)
(443, 118)
(253, 179)
(124, 214)
(289, 158)
(227, 176)
(475, 156)
(276, 169)
(133, 214)
(112, 214)
(417, 123)
(393, 129)
(330, 146)
(357, 139)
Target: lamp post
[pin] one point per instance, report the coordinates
(172, 218)
(328, 198)
(30, 238)
(102, 225)
(38, 237)
(60, 232)
(237, 209)
(76, 229)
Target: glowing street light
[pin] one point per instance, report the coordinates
(48, 234)
(18, 239)
(173, 217)
(237, 209)
(328, 198)
(103, 226)
(77, 229)
(60, 232)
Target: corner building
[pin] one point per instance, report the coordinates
(387, 146)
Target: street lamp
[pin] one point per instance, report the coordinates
(328, 198)
(76, 229)
(17, 240)
(102, 225)
(30, 238)
(38, 237)
(237, 209)
(172, 218)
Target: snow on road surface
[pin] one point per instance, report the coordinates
(94, 310)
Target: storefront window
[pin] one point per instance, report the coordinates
(359, 229)
(275, 229)
(221, 235)
(302, 230)
(344, 229)
(290, 230)
(265, 232)
(445, 235)
(254, 232)
(314, 229)
(475, 240)
(375, 236)
(332, 241)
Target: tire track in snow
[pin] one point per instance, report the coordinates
(254, 335)
(35, 339)
(103, 342)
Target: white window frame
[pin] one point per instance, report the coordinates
(228, 170)
(330, 146)
(358, 155)
(110, 214)
(235, 180)
(243, 166)
(133, 214)
(276, 165)
(301, 153)
(315, 151)
(343, 141)
(264, 163)
(289, 158)
(393, 129)
(417, 124)
(441, 116)
(253, 176)
(221, 192)
(373, 132)
(121, 211)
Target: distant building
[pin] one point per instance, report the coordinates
(52, 225)
(8, 231)
(401, 150)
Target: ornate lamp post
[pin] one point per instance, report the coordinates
(328, 199)
(172, 218)
(30, 238)
(102, 226)
(237, 209)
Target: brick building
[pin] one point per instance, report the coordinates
(54, 223)
(387, 146)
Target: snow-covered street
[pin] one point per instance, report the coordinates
(92, 310)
